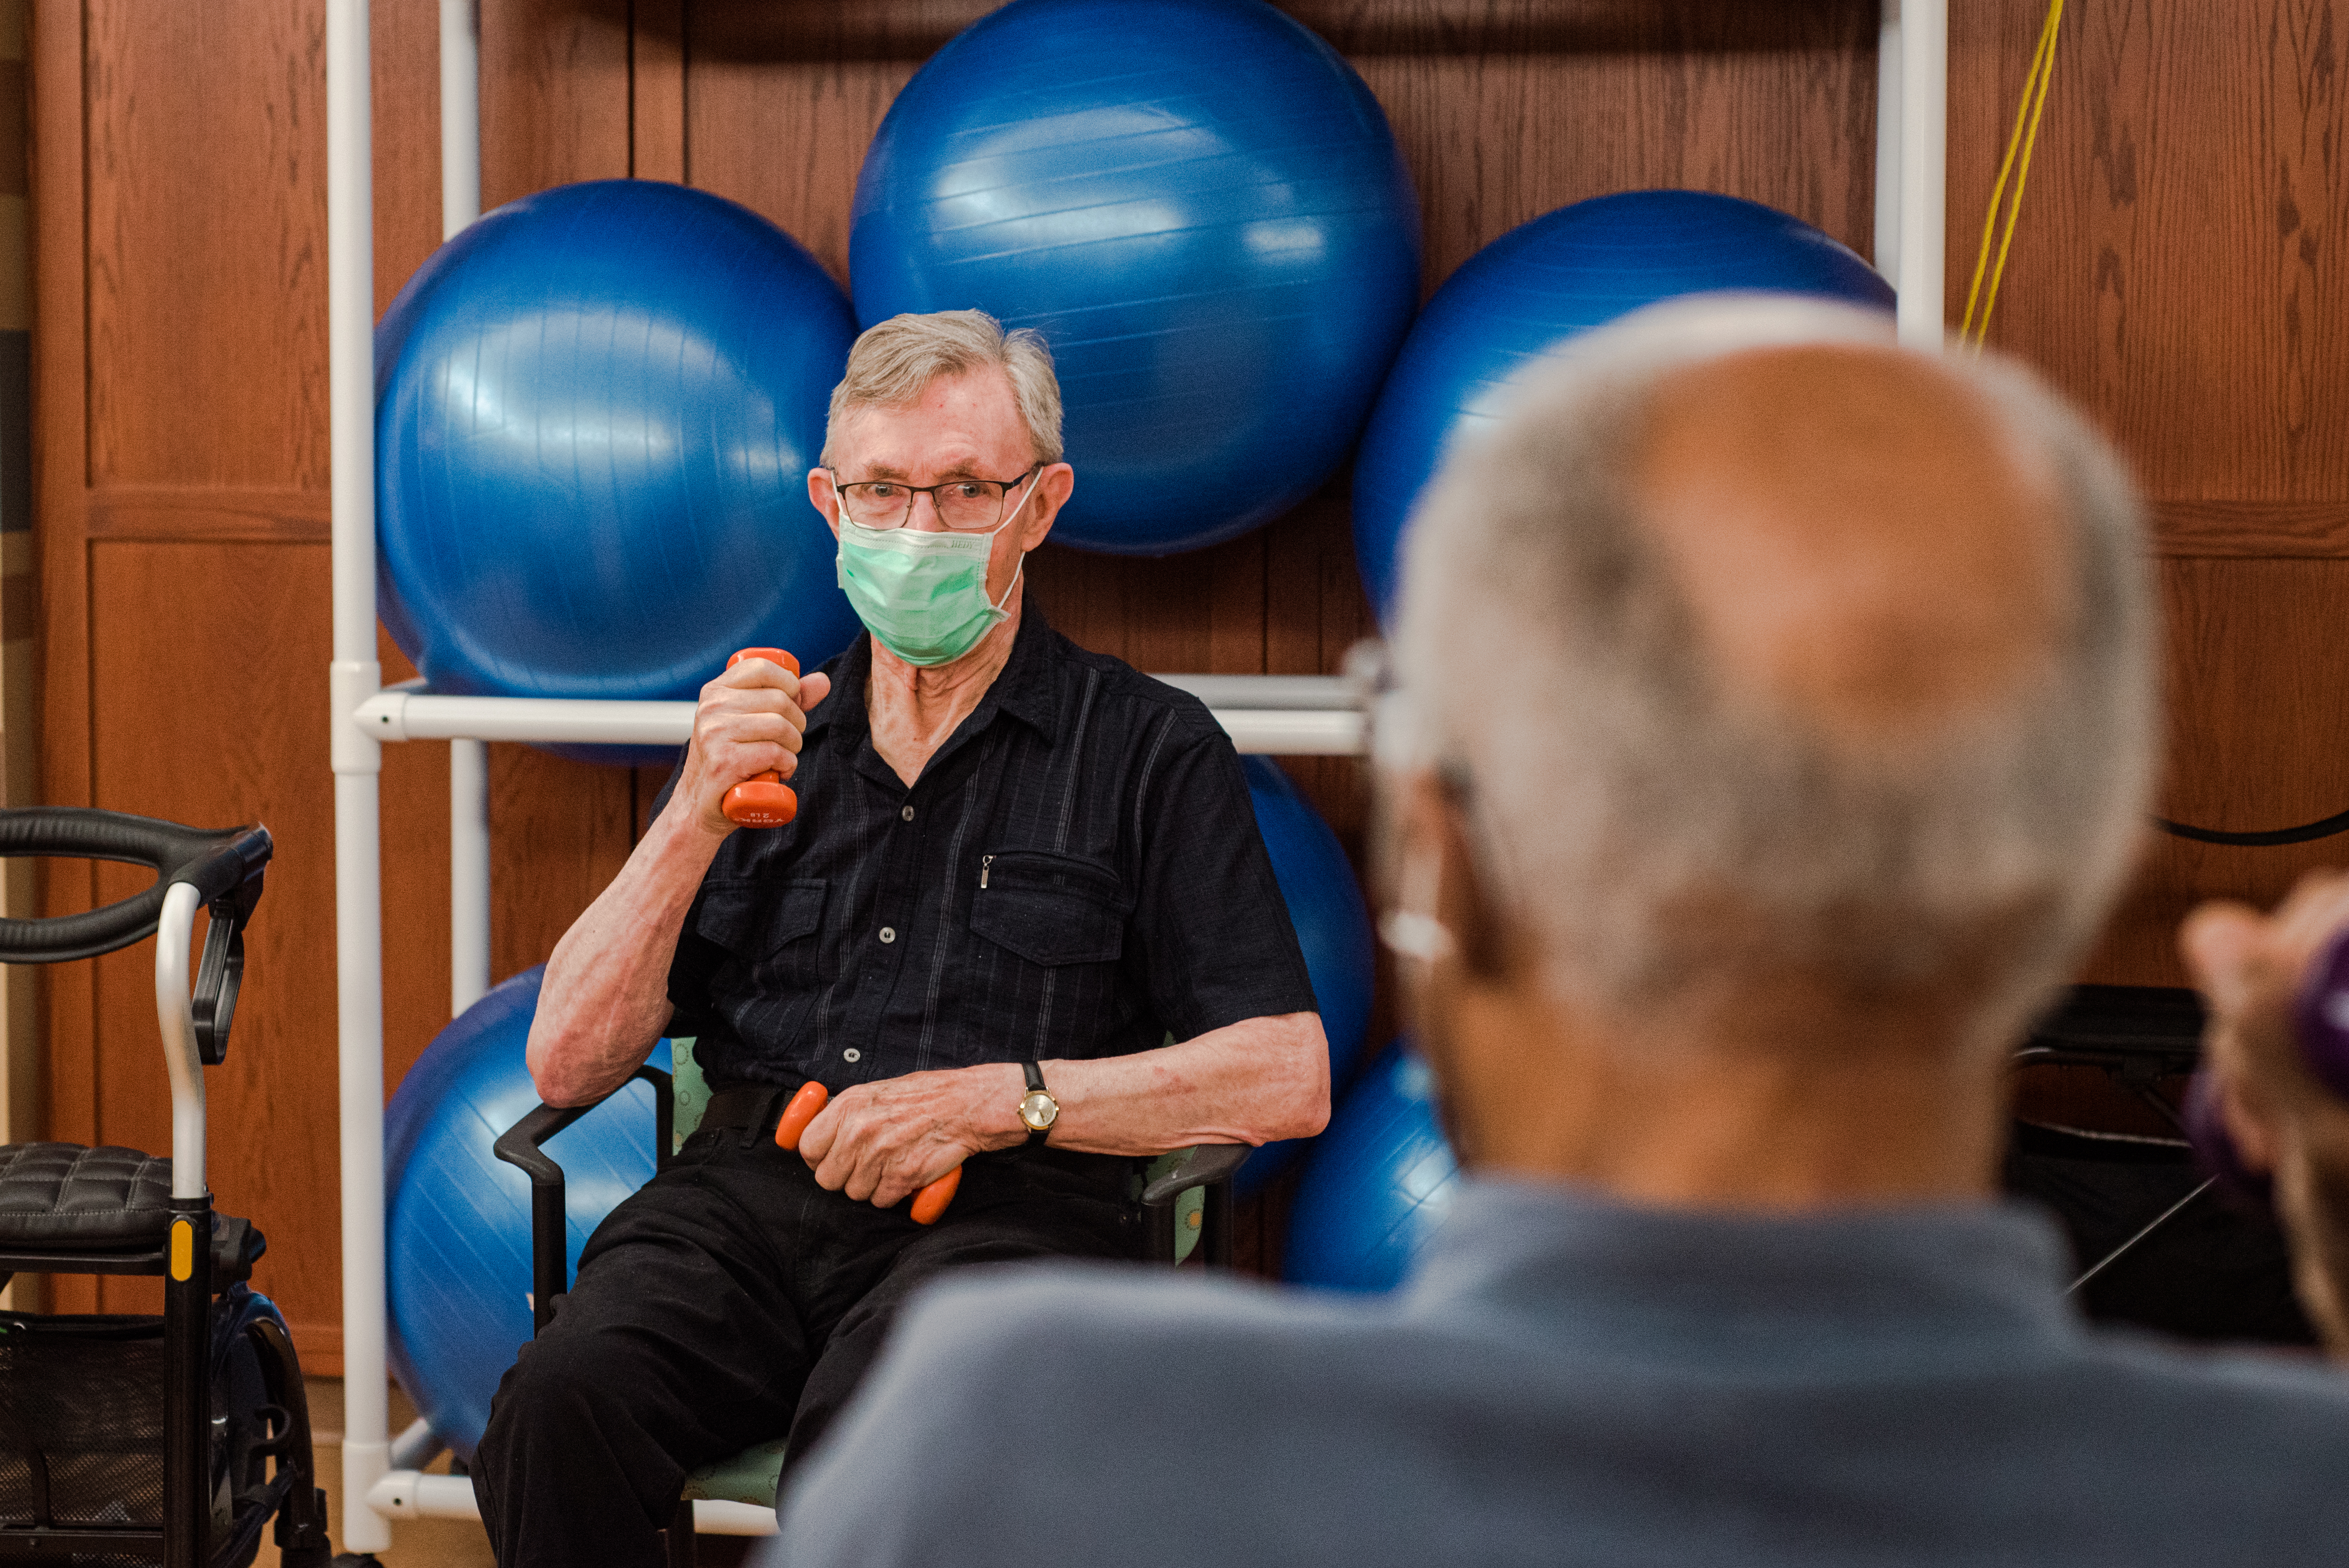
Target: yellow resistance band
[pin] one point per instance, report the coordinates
(2025, 136)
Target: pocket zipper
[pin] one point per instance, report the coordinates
(984, 861)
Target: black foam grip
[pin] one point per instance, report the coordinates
(215, 861)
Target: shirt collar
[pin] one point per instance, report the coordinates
(1841, 1286)
(1026, 687)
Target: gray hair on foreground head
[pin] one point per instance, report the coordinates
(1550, 658)
(895, 360)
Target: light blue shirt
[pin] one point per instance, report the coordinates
(1568, 1380)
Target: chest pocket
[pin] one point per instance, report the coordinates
(757, 921)
(1050, 908)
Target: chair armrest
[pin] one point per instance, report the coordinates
(523, 1144)
(1187, 1198)
(1201, 1165)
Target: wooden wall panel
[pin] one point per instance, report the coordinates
(228, 734)
(207, 347)
(2178, 270)
(554, 96)
(1505, 111)
(2178, 266)
(785, 138)
(2255, 741)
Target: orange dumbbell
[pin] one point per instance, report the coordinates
(765, 801)
(928, 1203)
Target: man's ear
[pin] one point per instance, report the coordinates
(1465, 900)
(1054, 484)
(825, 499)
(1427, 871)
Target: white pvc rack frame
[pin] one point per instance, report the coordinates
(1287, 714)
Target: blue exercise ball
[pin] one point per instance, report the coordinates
(1333, 927)
(1547, 280)
(1200, 206)
(596, 409)
(457, 1242)
(1376, 1185)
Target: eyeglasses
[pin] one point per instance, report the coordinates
(965, 506)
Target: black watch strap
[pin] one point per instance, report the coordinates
(1035, 1074)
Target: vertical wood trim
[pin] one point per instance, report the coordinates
(657, 89)
(60, 478)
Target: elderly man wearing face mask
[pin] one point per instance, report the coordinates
(1774, 726)
(1018, 868)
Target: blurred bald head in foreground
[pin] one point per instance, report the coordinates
(1775, 719)
(1776, 712)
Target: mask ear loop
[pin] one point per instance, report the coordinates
(1409, 929)
(996, 605)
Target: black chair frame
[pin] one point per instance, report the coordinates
(2139, 1036)
(1208, 1166)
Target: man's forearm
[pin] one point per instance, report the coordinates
(605, 997)
(1250, 1082)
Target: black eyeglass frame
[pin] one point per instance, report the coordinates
(842, 489)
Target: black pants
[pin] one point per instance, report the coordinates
(728, 1300)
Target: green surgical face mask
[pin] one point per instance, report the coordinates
(923, 595)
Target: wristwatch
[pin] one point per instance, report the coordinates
(1038, 1109)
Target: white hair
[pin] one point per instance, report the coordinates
(1549, 661)
(894, 361)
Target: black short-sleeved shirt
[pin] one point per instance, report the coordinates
(1076, 874)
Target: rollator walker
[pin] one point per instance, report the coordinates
(127, 1439)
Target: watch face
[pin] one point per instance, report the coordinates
(1038, 1110)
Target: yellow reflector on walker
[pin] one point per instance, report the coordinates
(184, 1249)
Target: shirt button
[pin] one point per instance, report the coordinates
(851, 1054)
(888, 934)
(907, 813)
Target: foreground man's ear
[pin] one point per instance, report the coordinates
(1436, 908)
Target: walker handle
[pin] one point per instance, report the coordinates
(765, 801)
(928, 1203)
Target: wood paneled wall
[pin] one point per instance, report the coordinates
(2177, 269)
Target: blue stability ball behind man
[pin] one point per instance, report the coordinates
(1377, 1183)
(1560, 274)
(1333, 928)
(1201, 207)
(595, 408)
(457, 1218)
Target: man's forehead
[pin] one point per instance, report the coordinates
(960, 426)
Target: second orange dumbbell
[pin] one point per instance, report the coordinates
(928, 1203)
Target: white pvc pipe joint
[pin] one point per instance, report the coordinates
(409, 1494)
(403, 714)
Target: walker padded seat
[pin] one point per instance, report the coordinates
(60, 1202)
(64, 1195)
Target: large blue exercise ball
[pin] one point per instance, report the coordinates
(1545, 281)
(596, 409)
(1376, 1185)
(1200, 206)
(457, 1242)
(1333, 927)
